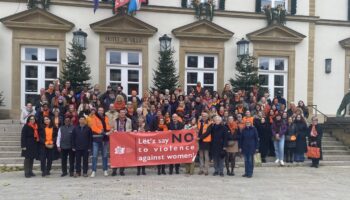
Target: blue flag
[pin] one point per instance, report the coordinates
(95, 5)
(133, 5)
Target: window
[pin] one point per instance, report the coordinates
(274, 3)
(125, 68)
(273, 75)
(216, 3)
(201, 68)
(39, 68)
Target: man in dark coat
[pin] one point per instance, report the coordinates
(64, 145)
(81, 145)
(175, 125)
(219, 134)
(248, 146)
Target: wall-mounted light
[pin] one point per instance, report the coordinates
(165, 43)
(79, 37)
(328, 65)
(242, 47)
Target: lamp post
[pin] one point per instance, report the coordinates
(79, 37)
(242, 47)
(165, 43)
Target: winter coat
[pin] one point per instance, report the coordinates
(249, 141)
(219, 134)
(81, 138)
(301, 129)
(317, 139)
(291, 131)
(28, 142)
(265, 134)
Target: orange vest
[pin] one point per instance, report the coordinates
(48, 136)
(205, 127)
(97, 126)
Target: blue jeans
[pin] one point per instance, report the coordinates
(299, 157)
(249, 164)
(279, 148)
(219, 164)
(103, 146)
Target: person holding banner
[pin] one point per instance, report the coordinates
(122, 124)
(248, 146)
(141, 126)
(315, 133)
(175, 125)
(219, 133)
(162, 127)
(204, 143)
(100, 127)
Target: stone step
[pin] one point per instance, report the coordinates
(10, 121)
(10, 143)
(10, 154)
(336, 152)
(10, 129)
(17, 133)
(335, 148)
(332, 143)
(10, 138)
(10, 148)
(336, 157)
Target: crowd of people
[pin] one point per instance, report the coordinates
(71, 125)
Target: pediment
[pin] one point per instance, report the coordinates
(37, 19)
(124, 24)
(345, 43)
(276, 34)
(203, 29)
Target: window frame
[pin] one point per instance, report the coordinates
(273, 4)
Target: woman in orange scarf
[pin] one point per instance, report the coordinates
(232, 148)
(315, 134)
(30, 145)
(119, 103)
(162, 127)
(48, 149)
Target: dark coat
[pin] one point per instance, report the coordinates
(42, 136)
(152, 121)
(219, 134)
(249, 142)
(82, 138)
(301, 129)
(180, 126)
(317, 139)
(28, 142)
(265, 134)
(291, 130)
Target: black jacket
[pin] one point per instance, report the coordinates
(180, 126)
(82, 138)
(28, 142)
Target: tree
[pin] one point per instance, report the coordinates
(75, 69)
(165, 76)
(247, 76)
(1, 99)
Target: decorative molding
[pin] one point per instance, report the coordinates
(124, 24)
(203, 29)
(311, 64)
(329, 22)
(345, 43)
(276, 34)
(37, 19)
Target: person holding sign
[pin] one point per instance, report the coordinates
(141, 127)
(175, 125)
(248, 146)
(219, 133)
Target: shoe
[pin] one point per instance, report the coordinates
(206, 174)
(76, 175)
(249, 176)
(163, 172)
(282, 163)
(200, 173)
(93, 174)
(122, 174)
(159, 173)
(114, 173)
(85, 175)
(232, 174)
(43, 174)
(170, 173)
(222, 174)
(138, 173)
(32, 174)
(71, 174)
(216, 173)
(244, 175)
(277, 161)
(144, 173)
(263, 160)
(27, 176)
(177, 172)
(48, 173)
(316, 166)
(105, 173)
(64, 174)
(228, 173)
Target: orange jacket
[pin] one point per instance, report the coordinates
(250, 119)
(205, 127)
(97, 126)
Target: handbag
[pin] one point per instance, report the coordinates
(293, 138)
(313, 152)
(257, 159)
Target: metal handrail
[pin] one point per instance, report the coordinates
(318, 111)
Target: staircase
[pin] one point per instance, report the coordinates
(335, 153)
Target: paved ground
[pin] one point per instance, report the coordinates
(270, 183)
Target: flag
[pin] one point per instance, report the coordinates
(135, 5)
(120, 3)
(95, 5)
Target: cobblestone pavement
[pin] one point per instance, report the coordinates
(331, 183)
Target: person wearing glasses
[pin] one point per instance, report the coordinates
(30, 145)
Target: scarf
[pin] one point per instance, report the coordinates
(46, 113)
(232, 126)
(162, 127)
(314, 131)
(119, 105)
(35, 128)
(48, 136)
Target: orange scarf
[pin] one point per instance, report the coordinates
(162, 127)
(35, 128)
(314, 131)
(46, 113)
(119, 105)
(48, 136)
(232, 126)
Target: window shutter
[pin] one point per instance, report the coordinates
(222, 4)
(293, 9)
(184, 3)
(257, 6)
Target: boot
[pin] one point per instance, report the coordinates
(143, 171)
(114, 172)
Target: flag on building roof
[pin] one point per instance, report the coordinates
(135, 5)
(120, 3)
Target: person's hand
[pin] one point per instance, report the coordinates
(73, 149)
(225, 148)
(240, 150)
(59, 149)
(24, 148)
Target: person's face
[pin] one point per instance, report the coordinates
(100, 111)
(314, 122)
(247, 114)
(174, 117)
(204, 116)
(46, 108)
(278, 118)
(67, 84)
(51, 87)
(47, 121)
(111, 108)
(29, 106)
(122, 114)
(263, 120)
(230, 119)
(217, 120)
(248, 124)
(285, 116)
(82, 121)
(298, 118)
(67, 121)
(56, 113)
(71, 108)
(290, 120)
(239, 117)
(161, 121)
(32, 120)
